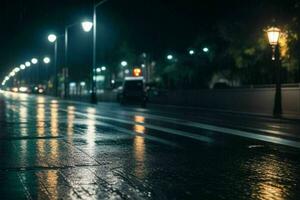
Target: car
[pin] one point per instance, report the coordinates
(133, 91)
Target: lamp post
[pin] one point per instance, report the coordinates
(53, 39)
(93, 71)
(87, 27)
(273, 36)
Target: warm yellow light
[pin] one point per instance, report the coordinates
(273, 35)
(137, 72)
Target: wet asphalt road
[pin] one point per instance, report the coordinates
(52, 149)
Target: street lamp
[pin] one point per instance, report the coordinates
(17, 69)
(52, 38)
(98, 70)
(170, 57)
(22, 66)
(124, 63)
(103, 68)
(27, 64)
(94, 89)
(205, 50)
(12, 74)
(273, 37)
(46, 60)
(191, 52)
(87, 26)
(34, 61)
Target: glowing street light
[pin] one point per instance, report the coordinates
(170, 57)
(12, 74)
(46, 60)
(87, 26)
(34, 61)
(52, 38)
(273, 37)
(98, 70)
(124, 63)
(82, 84)
(103, 68)
(22, 66)
(205, 50)
(17, 69)
(27, 64)
(191, 52)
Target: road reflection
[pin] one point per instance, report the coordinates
(47, 149)
(271, 172)
(71, 118)
(40, 120)
(54, 119)
(23, 113)
(139, 147)
(91, 131)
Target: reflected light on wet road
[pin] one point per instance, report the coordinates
(71, 118)
(137, 127)
(68, 150)
(271, 171)
(139, 119)
(40, 117)
(91, 127)
(54, 119)
(139, 148)
(40, 99)
(23, 112)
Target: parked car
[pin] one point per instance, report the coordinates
(133, 91)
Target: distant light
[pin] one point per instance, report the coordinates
(124, 63)
(103, 68)
(98, 69)
(17, 69)
(23, 89)
(170, 57)
(143, 65)
(127, 71)
(34, 61)
(191, 52)
(205, 49)
(113, 81)
(27, 64)
(72, 84)
(52, 38)
(12, 73)
(137, 72)
(15, 89)
(40, 91)
(87, 26)
(46, 60)
(22, 66)
(82, 84)
(6, 78)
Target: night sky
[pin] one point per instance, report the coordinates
(155, 26)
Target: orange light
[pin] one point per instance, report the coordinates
(137, 72)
